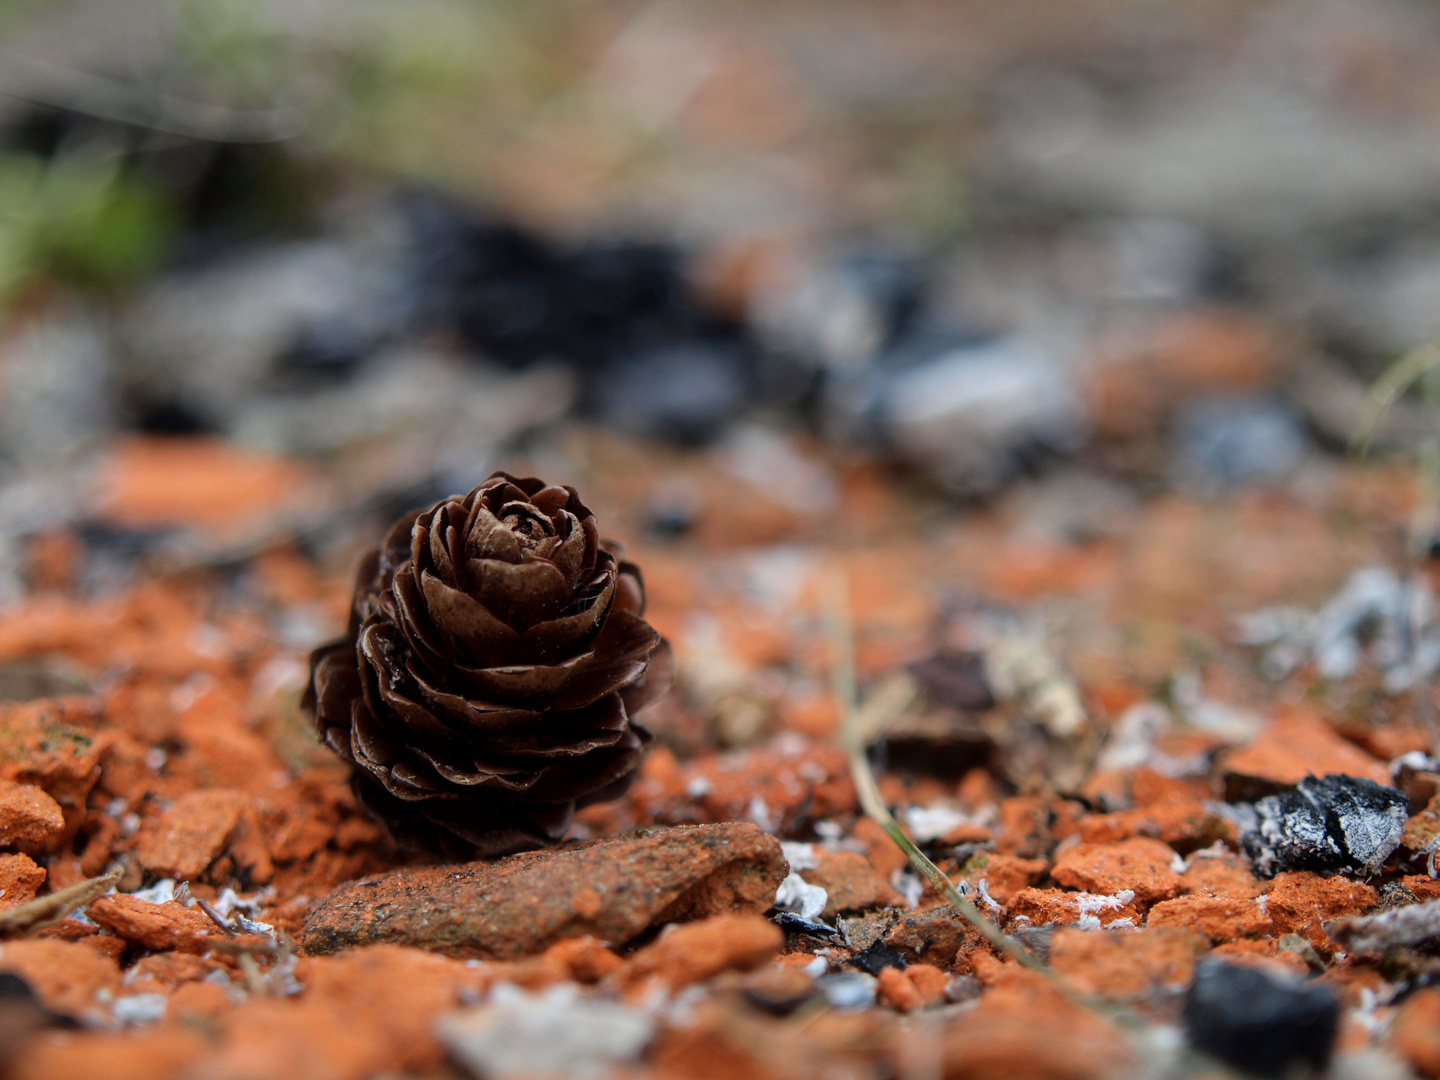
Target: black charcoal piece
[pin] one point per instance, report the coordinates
(1258, 1022)
(1330, 823)
(796, 924)
(955, 680)
(878, 957)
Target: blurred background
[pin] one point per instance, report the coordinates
(274, 272)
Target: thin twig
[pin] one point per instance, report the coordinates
(49, 910)
(842, 680)
(216, 917)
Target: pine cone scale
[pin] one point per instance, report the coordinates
(495, 657)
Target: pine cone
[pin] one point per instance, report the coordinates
(495, 657)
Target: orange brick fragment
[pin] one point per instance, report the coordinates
(690, 952)
(1137, 864)
(20, 880)
(29, 818)
(170, 925)
(1415, 1035)
(1219, 918)
(898, 992)
(1126, 965)
(66, 977)
(191, 834)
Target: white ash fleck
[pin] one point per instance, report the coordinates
(1376, 615)
(833, 838)
(1092, 902)
(677, 1010)
(1131, 741)
(1406, 927)
(697, 787)
(798, 895)
(1090, 905)
(1023, 670)
(799, 856)
(1177, 863)
(816, 967)
(757, 813)
(908, 885)
(984, 886)
(190, 691)
(552, 1033)
(1415, 760)
(928, 823)
(848, 989)
(137, 1010)
(162, 892)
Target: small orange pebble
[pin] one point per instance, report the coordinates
(29, 818)
(191, 834)
(66, 977)
(928, 980)
(1186, 822)
(20, 880)
(882, 852)
(1004, 875)
(1139, 864)
(148, 482)
(898, 992)
(1415, 1034)
(1224, 874)
(1296, 745)
(87, 934)
(156, 1054)
(1126, 965)
(170, 925)
(192, 1001)
(1262, 953)
(586, 959)
(1042, 907)
(691, 952)
(163, 972)
(1220, 918)
(1301, 902)
(850, 882)
(1422, 885)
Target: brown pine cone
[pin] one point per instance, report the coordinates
(495, 658)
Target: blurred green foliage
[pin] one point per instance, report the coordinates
(77, 219)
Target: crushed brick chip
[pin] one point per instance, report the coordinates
(523, 903)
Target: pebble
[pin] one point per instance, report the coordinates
(521, 904)
(850, 882)
(691, 952)
(20, 880)
(191, 834)
(29, 818)
(66, 977)
(1335, 823)
(1291, 748)
(170, 925)
(1139, 864)
(549, 1034)
(1259, 1022)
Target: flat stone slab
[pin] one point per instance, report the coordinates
(612, 889)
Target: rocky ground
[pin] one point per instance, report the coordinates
(155, 734)
(1026, 340)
